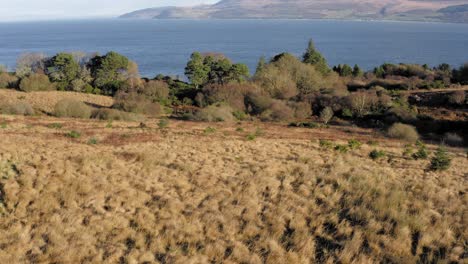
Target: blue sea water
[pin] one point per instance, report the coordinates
(164, 46)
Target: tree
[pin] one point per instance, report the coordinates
(30, 63)
(214, 69)
(196, 70)
(441, 161)
(314, 57)
(362, 102)
(357, 72)
(260, 65)
(461, 75)
(327, 114)
(109, 71)
(63, 69)
(343, 70)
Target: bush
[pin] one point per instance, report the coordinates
(404, 132)
(326, 115)
(156, 90)
(72, 108)
(257, 103)
(326, 144)
(7, 80)
(18, 108)
(137, 103)
(36, 82)
(457, 98)
(453, 139)
(441, 161)
(377, 154)
(115, 115)
(342, 148)
(73, 134)
(302, 110)
(354, 144)
(422, 152)
(163, 123)
(232, 94)
(278, 111)
(215, 113)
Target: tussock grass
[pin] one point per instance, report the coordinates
(183, 198)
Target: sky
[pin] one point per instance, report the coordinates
(18, 10)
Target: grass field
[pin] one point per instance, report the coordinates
(81, 191)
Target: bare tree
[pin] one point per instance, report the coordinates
(327, 114)
(29, 63)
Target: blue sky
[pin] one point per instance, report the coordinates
(17, 10)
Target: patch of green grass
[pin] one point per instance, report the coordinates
(163, 123)
(239, 129)
(3, 125)
(92, 141)
(109, 124)
(73, 134)
(377, 154)
(342, 148)
(251, 137)
(354, 144)
(55, 126)
(209, 130)
(325, 144)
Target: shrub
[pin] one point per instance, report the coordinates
(115, 115)
(73, 134)
(422, 152)
(302, 110)
(327, 114)
(92, 141)
(136, 103)
(377, 154)
(163, 123)
(156, 90)
(278, 111)
(55, 125)
(457, 98)
(354, 144)
(404, 132)
(342, 148)
(36, 82)
(240, 115)
(232, 94)
(215, 113)
(17, 108)
(326, 144)
(7, 80)
(256, 103)
(441, 161)
(305, 124)
(72, 108)
(453, 139)
(209, 130)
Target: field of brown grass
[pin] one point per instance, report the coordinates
(221, 193)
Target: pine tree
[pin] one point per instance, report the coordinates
(314, 57)
(260, 65)
(357, 72)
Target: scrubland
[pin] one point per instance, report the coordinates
(194, 192)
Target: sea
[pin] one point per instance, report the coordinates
(164, 46)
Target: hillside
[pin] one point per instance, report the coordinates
(418, 10)
(196, 192)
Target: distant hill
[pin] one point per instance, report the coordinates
(414, 10)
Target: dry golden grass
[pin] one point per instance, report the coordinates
(46, 101)
(187, 194)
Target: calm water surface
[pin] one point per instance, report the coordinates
(164, 46)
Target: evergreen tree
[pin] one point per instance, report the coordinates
(109, 71)
(196, 70)
(357, 72)
(63, 69)
(260, 65)
(314, 57)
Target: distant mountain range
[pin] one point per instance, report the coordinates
(413, 10)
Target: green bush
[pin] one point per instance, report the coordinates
(377, 154)
(163, 123)
(36, 82)
(326, 144)
(17, 108)
(209, 130)
(441, 161)
(422, 152)
(354, 144)
(73, 134)
(72, 108)
(92, 141)
(403, 132)
(342, 148)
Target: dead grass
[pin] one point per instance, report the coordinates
(180, 195)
